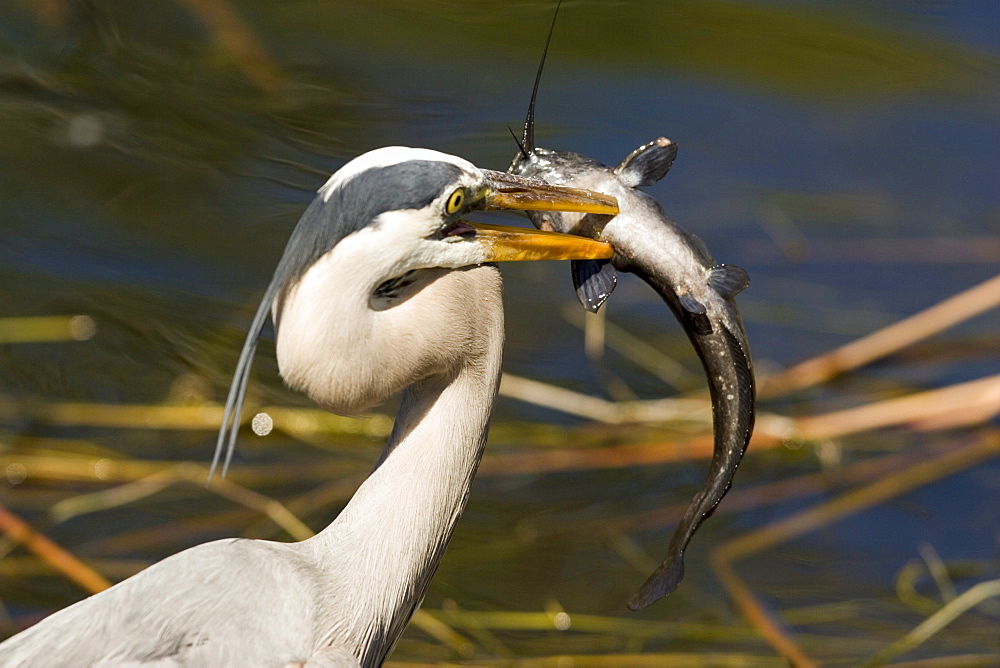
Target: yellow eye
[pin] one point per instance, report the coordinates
(455, 201)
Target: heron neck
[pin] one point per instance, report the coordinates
(388, 541)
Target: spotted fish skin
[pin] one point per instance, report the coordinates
(699, 291)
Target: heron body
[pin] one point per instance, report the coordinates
(381, 289)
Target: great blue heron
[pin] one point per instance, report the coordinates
(381, 289)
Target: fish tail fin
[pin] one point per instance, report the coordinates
(664, 580)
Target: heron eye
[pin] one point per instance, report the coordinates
(455, 201)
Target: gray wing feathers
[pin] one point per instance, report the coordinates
(244, 616)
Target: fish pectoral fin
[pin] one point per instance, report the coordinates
(728, 280)
(594, 281)
(692, 305)
(647, 164)
(695, 316)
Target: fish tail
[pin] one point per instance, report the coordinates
(733, 421)
(664, 580)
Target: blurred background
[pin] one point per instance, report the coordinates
(155, 156)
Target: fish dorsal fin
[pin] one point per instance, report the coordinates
(594, 281)
(728, 280)
(647, 164)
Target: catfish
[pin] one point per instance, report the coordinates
(676, 264)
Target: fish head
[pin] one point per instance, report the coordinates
(561, 167)
(595, 280)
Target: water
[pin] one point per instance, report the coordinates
(152, 170)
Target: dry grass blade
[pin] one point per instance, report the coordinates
(557, 398)
(823, 514)
(745, 499)
(478, 631)
(439, 630)
(965, 403)
(632, 348)
(851, 502)
(961, 404)
(953, 661)
(939, 572)
(939, 620)
(308, 423)
(968, 403)
(47, 328)
(948, 313)
(594, 334)
(757, 614)
(299, 422)
(174, 536)
(55, 556)
(596, 458)
(238, 40)
(63, 466)
(594, 408)
(133, 416)
(50, 13)
(651, 660)
(184, 472)
(32, 567)
(121, 495)
(931, 250)
(906, 588)
(244, 496)
(521, 621)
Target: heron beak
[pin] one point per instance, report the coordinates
(509, 191)
(506, 244)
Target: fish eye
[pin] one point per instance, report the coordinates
(455, 201)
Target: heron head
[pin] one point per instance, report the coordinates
(401, 209)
